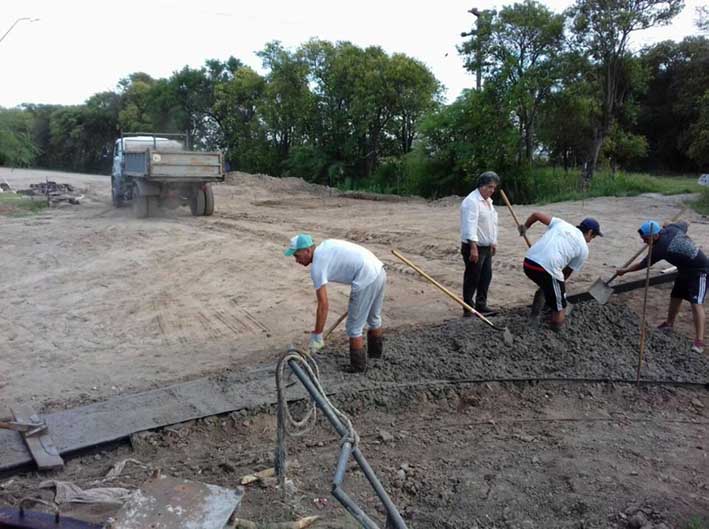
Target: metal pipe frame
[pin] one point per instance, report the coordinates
(394, 519)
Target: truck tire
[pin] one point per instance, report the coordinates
(208, 200)
(153, 206)
(197, 203)
(116, 193)
(140, 204)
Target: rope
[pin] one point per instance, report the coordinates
(288, 425)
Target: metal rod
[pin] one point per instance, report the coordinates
(354, 509)
(327, 410)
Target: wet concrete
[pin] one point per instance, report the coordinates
(600, 342)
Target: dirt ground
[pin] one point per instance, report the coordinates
(96, 303)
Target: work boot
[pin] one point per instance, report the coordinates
(375, 345)
(358, 360)
(485, 310)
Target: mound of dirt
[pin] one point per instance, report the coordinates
(277, 184)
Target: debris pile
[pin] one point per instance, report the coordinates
(54, 192)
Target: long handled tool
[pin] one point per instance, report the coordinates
(512, 212)
(601, 290)
(538, 301)
(507, 334)
(642, 320)
(334, 325)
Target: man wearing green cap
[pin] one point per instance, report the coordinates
(344, 262)
(672, 244)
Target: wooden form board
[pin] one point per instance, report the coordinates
(120, 417)
(625, 287)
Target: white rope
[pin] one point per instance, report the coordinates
(295, 427)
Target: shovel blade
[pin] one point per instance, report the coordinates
(600, 291)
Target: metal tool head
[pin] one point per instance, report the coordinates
(600, 291)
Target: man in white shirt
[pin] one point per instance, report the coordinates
(478, 238)
(348, 263)
(562, 249)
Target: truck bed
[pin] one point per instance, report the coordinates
(175, 166)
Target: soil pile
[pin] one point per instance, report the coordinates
(599, 342)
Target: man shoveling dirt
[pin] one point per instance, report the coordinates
(351, 264)
(550, 261)
(672, 244)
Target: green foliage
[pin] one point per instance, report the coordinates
(698, 523)
(18, 205)
(16, 146)
(670, 113)
(601, 32)
(698, 149)
(547, 185)
(701, 205)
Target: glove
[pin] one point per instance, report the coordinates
(316, 342)
(522, 229)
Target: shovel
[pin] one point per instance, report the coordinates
(601, 290)
(508, 338)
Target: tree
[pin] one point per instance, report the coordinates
(703, 19)
(602, 29)
(236, 107)
(521, 59)
(288, 104)
(16, 146)
(678, 77)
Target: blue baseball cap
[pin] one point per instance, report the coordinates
(649, 228)
(590, 224)
(299, 242)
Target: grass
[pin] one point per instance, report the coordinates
(698, 523)
(545, 185)
(17, 205)
(701, 205)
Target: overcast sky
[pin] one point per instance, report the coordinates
(80, 47)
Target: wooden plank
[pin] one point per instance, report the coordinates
(40, 445)
(625, 287)
(120, 417)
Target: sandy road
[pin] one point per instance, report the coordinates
(94, 302)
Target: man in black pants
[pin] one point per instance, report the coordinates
(478, 235)
(550, 261)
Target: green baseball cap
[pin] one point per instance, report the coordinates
(299, 242)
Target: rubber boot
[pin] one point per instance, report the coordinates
(358, 360)
(375, 344)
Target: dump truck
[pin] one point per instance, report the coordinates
(158, 170)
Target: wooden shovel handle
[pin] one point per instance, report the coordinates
(334, 325)
(443, 289)
(512, 211)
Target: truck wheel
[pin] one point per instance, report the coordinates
(197, 203)
(116, 193)
(140, 204)
(153, 206)
(208, 200)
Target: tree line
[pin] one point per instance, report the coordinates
(561, 89)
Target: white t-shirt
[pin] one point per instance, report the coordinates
(344, 262)
(561, 245)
